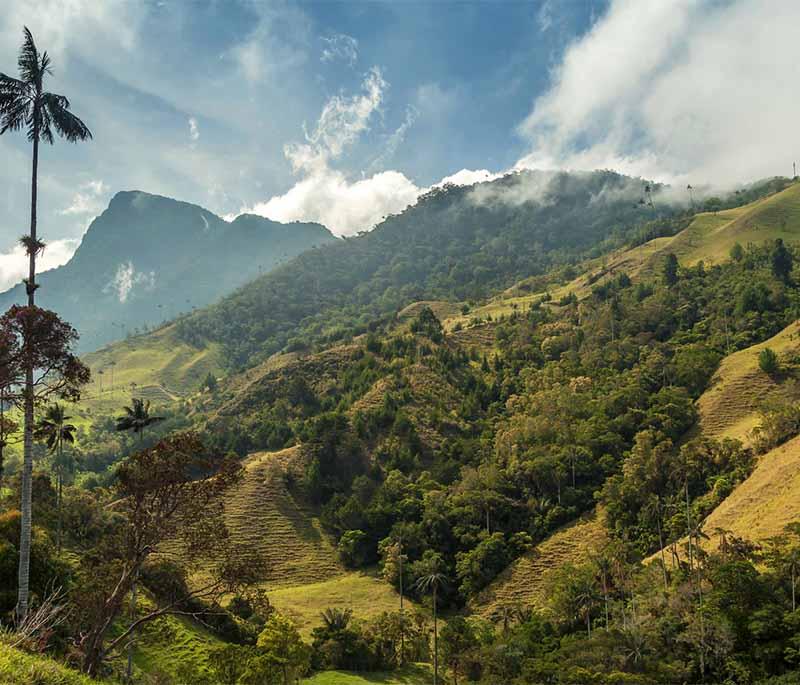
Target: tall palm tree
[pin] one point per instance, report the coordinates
(137, 417)
(24, 104)
(54, 431)
(431, 584)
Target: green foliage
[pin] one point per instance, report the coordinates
(282, 649)
(768, 361)
(670, 273)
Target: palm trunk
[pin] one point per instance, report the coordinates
(129, 669)
(794, 604)
(435, 642)
(402, 618)
(58, 508)
(661, 549)
(27, 463)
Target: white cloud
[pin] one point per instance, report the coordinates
(339, 46)
(14, 263)
(88, 200)
(668, 89)
(194, 130)
(127, 278)
(544, 17)
(466, 177)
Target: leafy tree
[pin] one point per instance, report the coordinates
(37, 345)
(168, 493)
(282, 647)
(137, 418)
(24, 104)
(54, 430)
(768, 361)
(737, 252)
(782, 260)
(458, 640)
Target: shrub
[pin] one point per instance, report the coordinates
(768, 361)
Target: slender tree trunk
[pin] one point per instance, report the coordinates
(27, 462)
(129, 668)
(689, 527)
(402, 617)
(435, 642)
(661, 548)
(794, 605)
(58, 508)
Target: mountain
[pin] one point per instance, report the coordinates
(455, 243)
(147, 259)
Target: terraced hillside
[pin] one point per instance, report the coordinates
(729, 408)
(764, 503)
(525, 581)
(262, 514)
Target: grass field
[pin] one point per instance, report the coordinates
(367, 595)
(413, 675)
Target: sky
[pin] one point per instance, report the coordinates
(343, 113)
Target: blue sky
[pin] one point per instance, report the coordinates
(343, 112)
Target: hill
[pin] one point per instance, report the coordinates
(146, 259)
(454, 244)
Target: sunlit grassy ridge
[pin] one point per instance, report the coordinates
(158, 367)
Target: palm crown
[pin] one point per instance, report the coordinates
(137, 417)
(53, 428)
(25, 104)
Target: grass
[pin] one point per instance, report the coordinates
(729, 408)
(418, 674)
(162, 367)
(525, 582)
(365, 594)
(263, 515)
(18, 668)
(764, 503)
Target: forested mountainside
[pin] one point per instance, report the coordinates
(147, 258)
(456, 243)
(483, 443)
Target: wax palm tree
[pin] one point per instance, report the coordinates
(54, 431)
(431, 583)
(24, 104)
(336, 619)
(137, 418)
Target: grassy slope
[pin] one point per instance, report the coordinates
(525, 581)
(729, 408)
(163, 368)
(18, 668)
(411, 675)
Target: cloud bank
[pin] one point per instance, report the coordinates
(675, 90)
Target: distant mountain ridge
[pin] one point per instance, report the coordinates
(149, 258)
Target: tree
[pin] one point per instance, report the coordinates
(768, 361)
(282, 647)
(137, 418)
(737, 252)
(24, 104)
(36, 344)
(168, 497)
(458, 639)
(432, 583)
(670, 269)
(781, 261)
(54, 430)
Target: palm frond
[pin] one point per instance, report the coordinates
(67, 125)
(28, 60)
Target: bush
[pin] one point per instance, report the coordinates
(768, 361)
